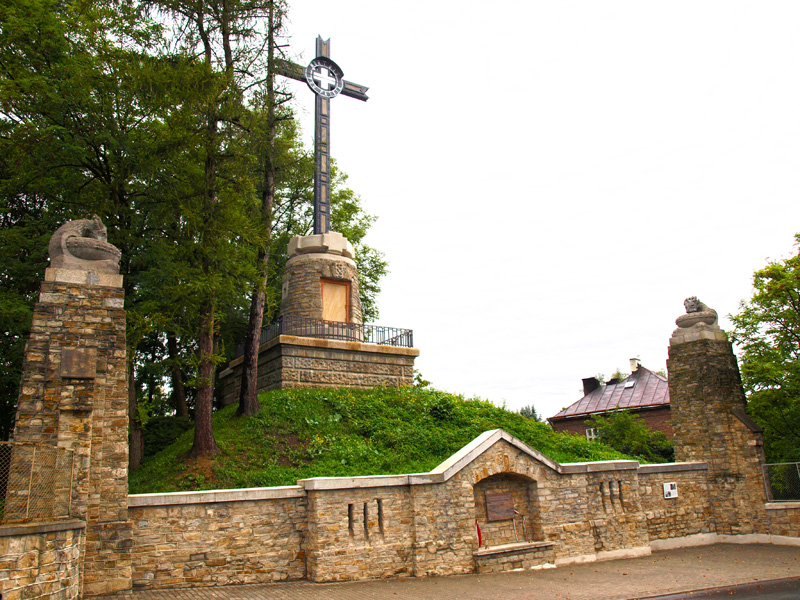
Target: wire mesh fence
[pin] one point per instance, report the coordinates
(782, 481)
(35, 482)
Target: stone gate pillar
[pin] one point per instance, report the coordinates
(710, 423)
(73, 392)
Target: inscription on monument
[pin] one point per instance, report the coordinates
(78, 363)
(499, 506)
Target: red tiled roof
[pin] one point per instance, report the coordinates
(649, 390)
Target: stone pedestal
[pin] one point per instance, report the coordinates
(74, 395)
(290, 361)
(710, 424)
(314, 260)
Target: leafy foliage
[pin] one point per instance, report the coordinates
(767, 331)
(160, 432)
(626, 432)
(347, 432)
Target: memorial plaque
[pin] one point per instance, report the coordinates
(78, 363)
(499, 506)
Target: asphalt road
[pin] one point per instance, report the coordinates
(778, 589)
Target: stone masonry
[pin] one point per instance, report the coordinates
(218, 538)
(41, 561)
(74, 395)
(708, 408)
(349, 528)
(291, 361)
(312, 259)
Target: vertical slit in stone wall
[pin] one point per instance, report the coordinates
(366, 520)
(380, 515)
(603, 495)
(619, 490)
(351, 519)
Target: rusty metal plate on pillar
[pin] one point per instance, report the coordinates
(78, 363)
(499, 506)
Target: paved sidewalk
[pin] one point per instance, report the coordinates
(665, 572)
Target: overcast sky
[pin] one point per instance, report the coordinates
(552, 179)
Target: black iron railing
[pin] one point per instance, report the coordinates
(334, 330)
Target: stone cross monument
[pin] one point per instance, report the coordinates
(321, 279)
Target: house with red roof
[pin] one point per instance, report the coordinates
(643, 393)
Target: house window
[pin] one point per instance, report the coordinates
(591, 433)
(335, 301)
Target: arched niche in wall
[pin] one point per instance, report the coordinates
(507, 509)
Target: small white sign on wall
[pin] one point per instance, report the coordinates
(671, 490)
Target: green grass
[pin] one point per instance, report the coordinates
(346, 432)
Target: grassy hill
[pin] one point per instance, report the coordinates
(346, 432)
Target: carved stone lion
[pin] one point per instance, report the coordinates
(696, 313)
(82, 245)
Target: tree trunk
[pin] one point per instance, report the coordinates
(248, 392)
(178, 390)
(204, 443)
(135, 435)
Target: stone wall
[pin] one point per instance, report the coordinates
(594, 509)
(290, 361)
(783, 519)
(359, 532)
(687, 514)
(218, 538)
(41, 561)
(350, 528)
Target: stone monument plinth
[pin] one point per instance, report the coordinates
(320, 340)
(321, 280)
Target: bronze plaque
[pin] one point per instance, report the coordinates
(78, 363)
(499, 506)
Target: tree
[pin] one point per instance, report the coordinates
(530, 412)
(248, 397)
(102, 112)
(80, 127)
(767, 333)
(626, 432)
(219, 37)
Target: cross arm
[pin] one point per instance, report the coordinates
(298, 72)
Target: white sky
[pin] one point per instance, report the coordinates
(552, 179)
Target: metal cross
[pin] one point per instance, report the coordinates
(326, 80)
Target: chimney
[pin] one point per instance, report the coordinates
(590, 384)
(635, 364)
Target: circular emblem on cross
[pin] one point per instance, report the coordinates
(324, 77)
